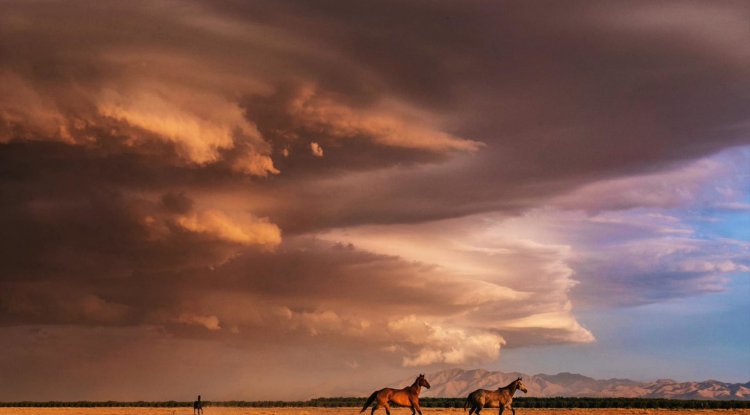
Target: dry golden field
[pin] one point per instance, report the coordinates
(352, 411)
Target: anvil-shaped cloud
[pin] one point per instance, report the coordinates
(384, 186)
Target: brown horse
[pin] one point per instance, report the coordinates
(408, 396)
(502, 398)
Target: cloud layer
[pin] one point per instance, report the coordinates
(386, 187)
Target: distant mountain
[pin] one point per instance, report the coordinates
(459, 383)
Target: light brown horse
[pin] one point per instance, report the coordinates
(502, 398)
(408, 396)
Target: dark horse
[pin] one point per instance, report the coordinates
(408, 396)
(198, 407)
(502, 398)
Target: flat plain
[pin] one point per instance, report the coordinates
(353, 411)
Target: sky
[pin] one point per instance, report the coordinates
(287, 199)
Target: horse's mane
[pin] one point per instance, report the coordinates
(510, 384)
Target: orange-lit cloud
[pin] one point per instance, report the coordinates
(316, 149)
(209, 322)
(388, 126)
(246, 231)
(23, 106)
(200, 138)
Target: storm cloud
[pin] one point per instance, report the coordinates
(387, 186)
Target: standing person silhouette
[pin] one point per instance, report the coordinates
(198, 407)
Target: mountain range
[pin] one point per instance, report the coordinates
(460, 382)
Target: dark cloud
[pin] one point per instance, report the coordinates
(177, 202)
(559, 95)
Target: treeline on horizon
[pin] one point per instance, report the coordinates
(520, 402)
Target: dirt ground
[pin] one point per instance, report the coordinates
(352, 411)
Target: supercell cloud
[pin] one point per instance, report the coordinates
(228, 189)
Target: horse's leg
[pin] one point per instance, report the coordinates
(513, 409)
(479, 408)
(502, 408)
(471, 409)
(419, 409)
(387, 408)
(374, 407)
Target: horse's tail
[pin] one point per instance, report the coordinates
(369, 401)
(466, 403)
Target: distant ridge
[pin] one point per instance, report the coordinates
(459, 383)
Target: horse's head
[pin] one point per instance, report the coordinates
(520, 385)
(422, 381)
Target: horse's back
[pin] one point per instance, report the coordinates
(480, 393)
(401, 397)
(484, 397)
(477, 395)
(385, 393)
